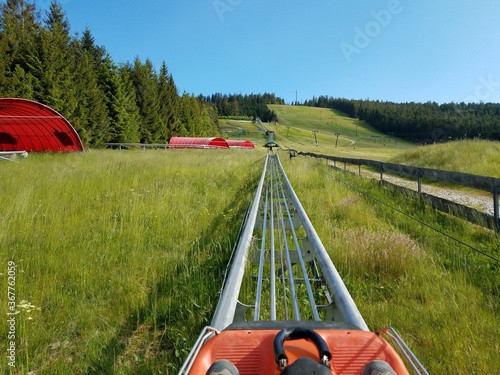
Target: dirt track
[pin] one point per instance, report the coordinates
(478, 200)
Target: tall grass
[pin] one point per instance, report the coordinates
(118, 250)
(121, 256)
(469, 156)
(443, 297)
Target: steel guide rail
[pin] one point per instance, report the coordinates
(280, 275)
(280, 265)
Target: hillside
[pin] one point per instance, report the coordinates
(296, 127)
(467, 156)
(357, 139)
(422, 122)
(337, 134)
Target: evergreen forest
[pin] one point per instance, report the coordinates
(241, 106)
(422, 122)
(106, 102)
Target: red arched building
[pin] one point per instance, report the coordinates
(29, 126)
(190, 142)
(234, 143)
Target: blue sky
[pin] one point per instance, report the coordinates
(396, 50)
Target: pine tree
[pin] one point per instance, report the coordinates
(169, 103)
(146, 88)
(166, 106)
(90, 116)
(19, 26)
(126, 120)
(187, 116)
(52, 63)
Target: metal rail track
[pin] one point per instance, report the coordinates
(280, 270)
(281, 276)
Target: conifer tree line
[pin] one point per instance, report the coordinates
(422, 122)
(253, 105)
(104, 101)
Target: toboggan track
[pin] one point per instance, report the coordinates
(281, 281)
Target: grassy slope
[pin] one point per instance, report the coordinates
(295, 130)
(442, 297)
(356, 138)
(468, 156)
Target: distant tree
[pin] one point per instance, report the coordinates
(52, 63)
(169, 104)
(19, 26)
(92, 106)
(254, 105)
(146, 89)
(125, 117)
(422, 122)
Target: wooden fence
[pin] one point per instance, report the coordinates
(484, 183)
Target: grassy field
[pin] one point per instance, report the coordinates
(118, 256)
(296, 126)
(406, 275)
(468, 156)
(356, 139)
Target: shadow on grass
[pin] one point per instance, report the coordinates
(180, 304)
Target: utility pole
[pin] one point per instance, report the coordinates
(296, 98)
(315, 139)
(337, 142)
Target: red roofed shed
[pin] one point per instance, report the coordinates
(33, 127)
(233, 143)
(187, 142)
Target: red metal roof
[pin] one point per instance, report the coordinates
(234, 143)
(34, 127)
(188, 142)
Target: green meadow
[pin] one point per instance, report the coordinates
(327, 131)
(310, 129)
(468, 156)
(119, 255)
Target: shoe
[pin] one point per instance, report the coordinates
(378, 368)
(222, 367)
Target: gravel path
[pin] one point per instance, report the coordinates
(478, 200)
